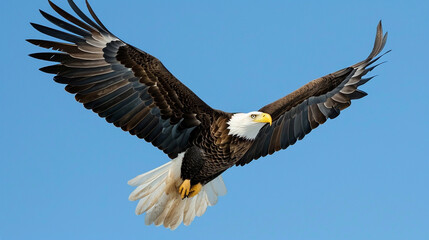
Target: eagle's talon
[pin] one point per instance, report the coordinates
(195, 190)
(184, 189)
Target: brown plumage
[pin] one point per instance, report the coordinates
(134, 91)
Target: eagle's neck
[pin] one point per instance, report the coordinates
(240, 125)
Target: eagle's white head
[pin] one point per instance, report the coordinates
(247, 125)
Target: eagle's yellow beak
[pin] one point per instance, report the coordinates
(264, 118)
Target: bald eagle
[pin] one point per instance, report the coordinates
(134, 91)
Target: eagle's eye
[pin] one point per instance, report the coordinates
(253, 116)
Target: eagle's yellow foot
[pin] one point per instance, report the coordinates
(185, 188)
(195, 190)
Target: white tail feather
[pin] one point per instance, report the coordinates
(157, 192)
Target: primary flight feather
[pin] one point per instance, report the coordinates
(134, 91)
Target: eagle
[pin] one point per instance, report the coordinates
(135, 92)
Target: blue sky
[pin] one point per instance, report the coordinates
(363, 175)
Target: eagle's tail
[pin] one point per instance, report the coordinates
(157, 192)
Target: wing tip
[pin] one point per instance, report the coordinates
(94, 16)
(380, 41)
(32, 41)
(34, 55)
(53, 5)
(34, 24)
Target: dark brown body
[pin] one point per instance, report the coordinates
(212, 150)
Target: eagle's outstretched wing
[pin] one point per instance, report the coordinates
(296, 114)
(124, 85)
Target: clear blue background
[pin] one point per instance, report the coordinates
(363, 175)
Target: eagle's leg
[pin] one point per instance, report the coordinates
(192, 164)
(185, 188)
